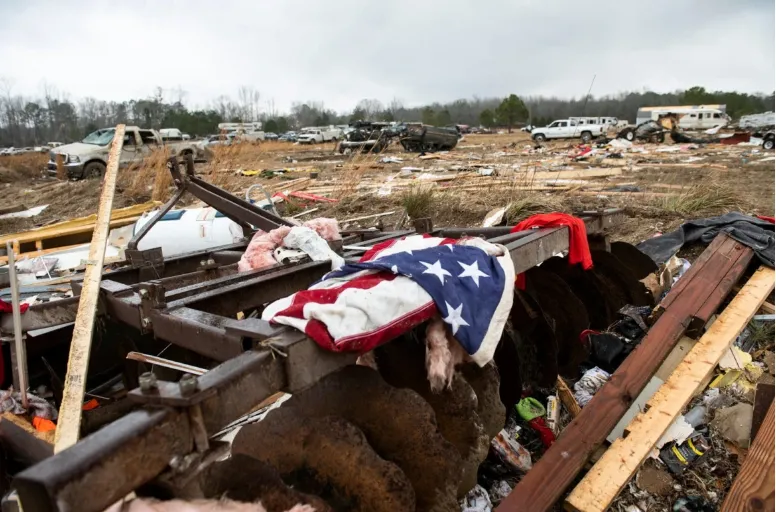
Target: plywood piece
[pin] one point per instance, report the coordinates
(602, 483)
(682, 348)
(753, 488)
(69, 422)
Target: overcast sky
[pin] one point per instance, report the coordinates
(417, 51)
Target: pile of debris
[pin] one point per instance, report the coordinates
(318, 367)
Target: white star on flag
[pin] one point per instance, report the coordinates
(472, 271)
(450, 246)
(395, 269)
(454, 317)
(437, 270)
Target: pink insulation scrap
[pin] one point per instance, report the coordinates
(259, 253)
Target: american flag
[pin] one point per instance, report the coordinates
(401, 283)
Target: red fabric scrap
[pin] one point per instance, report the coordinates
(769, 219)
(541, 428)
(6, 307)
(579, 250)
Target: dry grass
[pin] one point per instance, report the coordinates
(702, 199)
(18, 167)
(527, 205)
(418, 201)
(149, 179)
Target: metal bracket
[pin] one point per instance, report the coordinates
(151, 297)
(149, 261)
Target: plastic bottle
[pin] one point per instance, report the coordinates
(696, 416)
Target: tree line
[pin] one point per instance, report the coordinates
(30, 121)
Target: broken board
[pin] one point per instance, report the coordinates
(610, 474)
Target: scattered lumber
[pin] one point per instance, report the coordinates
(753, 488)
(69, 423)
(763, 398)
(57, 236)
(720, 266)
(366, 217)
(291, 185)
(620, 462)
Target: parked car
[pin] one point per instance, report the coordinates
(768, 140)
(270, 136)
(568, 129)
(288, 137)
(318, 135)
(89, 158)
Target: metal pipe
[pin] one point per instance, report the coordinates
(21, 350)
(167, 363)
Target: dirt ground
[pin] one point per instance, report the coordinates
(672, 186)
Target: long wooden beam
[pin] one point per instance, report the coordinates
(753, 488)
(609, 475)
(69, 423)
(721, 265)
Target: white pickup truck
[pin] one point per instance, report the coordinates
(568, 129)
(88, 158)
(318, 135)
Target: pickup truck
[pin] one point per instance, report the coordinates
(568, 129)
(318, 135)
(88, 158)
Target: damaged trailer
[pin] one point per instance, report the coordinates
(351, 437)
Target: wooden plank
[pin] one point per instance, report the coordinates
(763, 398)
(55, 230)
(543, 486)
(683, 346)
(61, 174)
(609, 475)
(710, 305)
(767, 308)
(21, 378)
(69, 422)
(567, 398)
(36, 254)
(753, 488)
(70, 231)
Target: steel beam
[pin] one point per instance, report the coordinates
(40, 316)
(109, 464)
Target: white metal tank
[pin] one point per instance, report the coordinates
(182, 231)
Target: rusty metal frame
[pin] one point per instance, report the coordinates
(196, 309)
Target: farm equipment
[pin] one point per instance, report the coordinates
(350, 437)
(366, 137)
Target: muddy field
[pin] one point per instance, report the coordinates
(658, 185)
